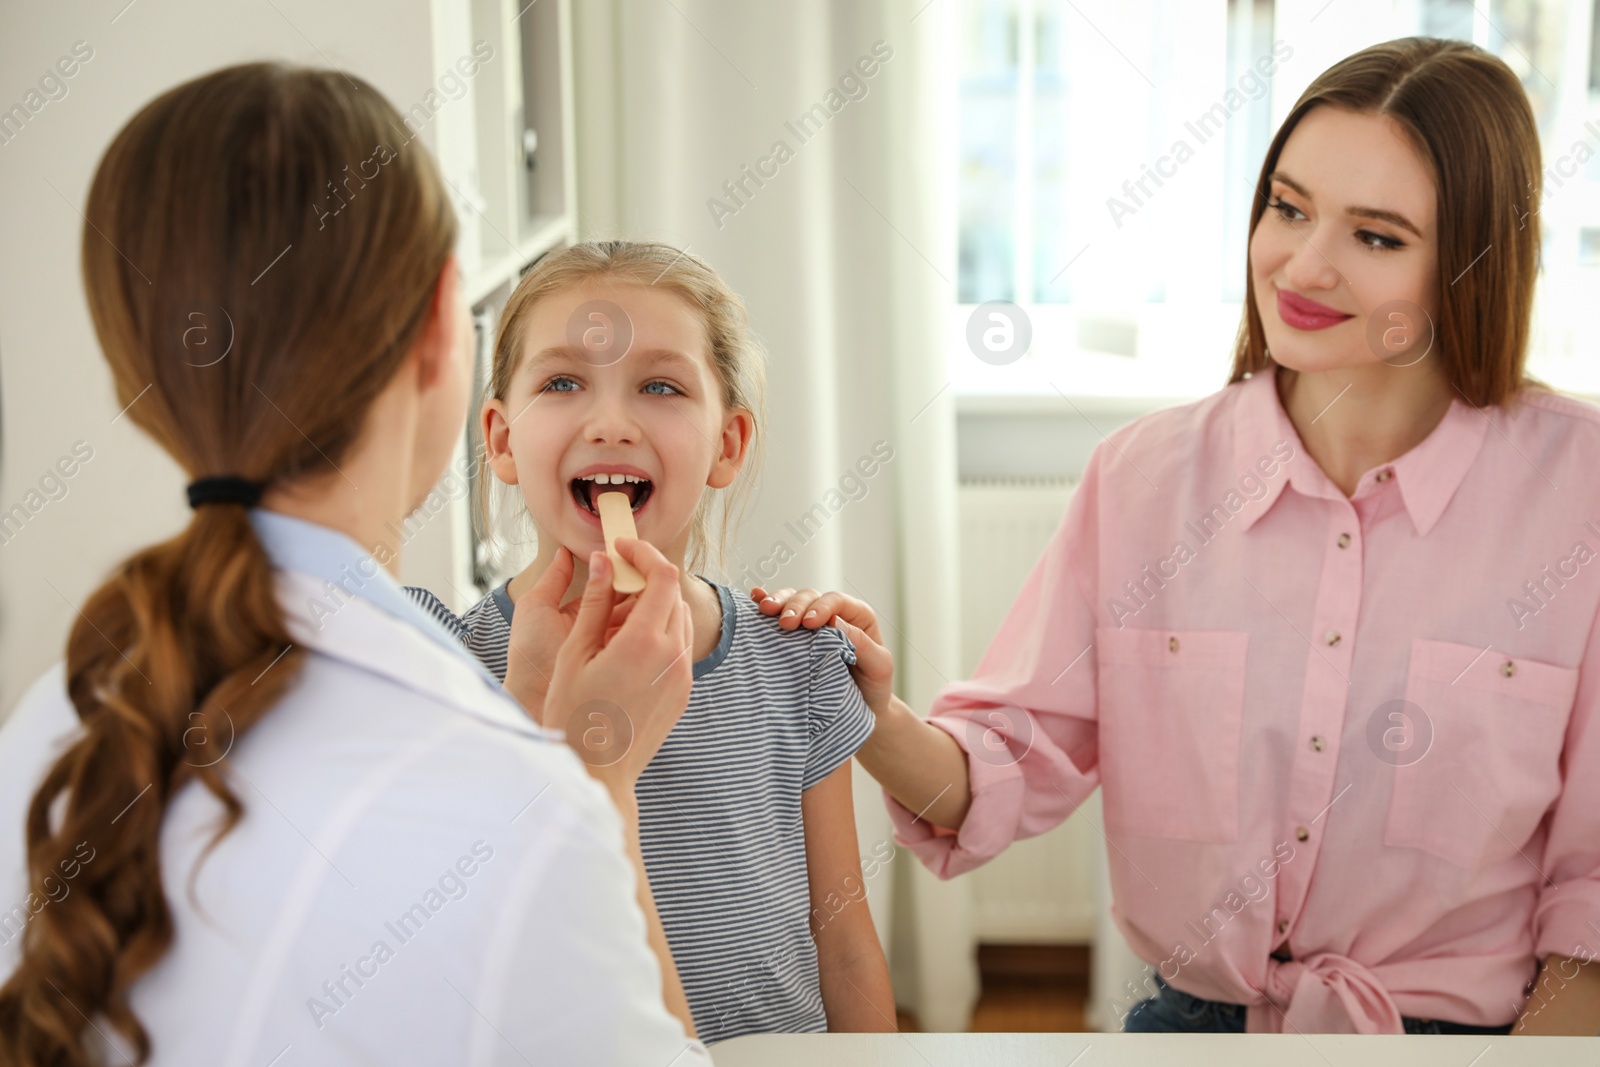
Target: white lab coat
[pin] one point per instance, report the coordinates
(422, 876)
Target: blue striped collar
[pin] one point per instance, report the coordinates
(348, 571)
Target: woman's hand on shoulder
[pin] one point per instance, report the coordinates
(795, 608)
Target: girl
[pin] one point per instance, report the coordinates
(398, 867)
(628, 367)
(1339, 677)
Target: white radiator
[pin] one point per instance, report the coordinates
(1051, 888)
(1005, 524)
(1040, 890)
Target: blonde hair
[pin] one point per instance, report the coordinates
(736, 356)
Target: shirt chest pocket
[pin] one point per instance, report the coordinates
(1494, 726)
(1171, 711)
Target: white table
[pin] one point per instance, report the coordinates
(1179, 1050)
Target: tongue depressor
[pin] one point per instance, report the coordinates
(616, 520)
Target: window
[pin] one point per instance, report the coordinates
(1108, 151)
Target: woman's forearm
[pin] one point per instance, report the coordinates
(919, 764)
(1566, 1000)
(671, 986)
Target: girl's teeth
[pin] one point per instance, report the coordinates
(613, 479)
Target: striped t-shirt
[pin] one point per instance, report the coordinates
(770, 715)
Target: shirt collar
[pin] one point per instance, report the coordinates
(1428, 475)
(325, 553)
(1263, 432)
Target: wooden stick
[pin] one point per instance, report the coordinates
(616, 520)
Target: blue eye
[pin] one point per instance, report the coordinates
(650, 387)
(559, 384)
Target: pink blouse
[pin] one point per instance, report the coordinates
(1357, 732)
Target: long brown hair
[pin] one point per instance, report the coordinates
(260, 253)
(736, 356)
(1470, 121)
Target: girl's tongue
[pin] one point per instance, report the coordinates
(587, 490)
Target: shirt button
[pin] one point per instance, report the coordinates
(1332, 637)
(1283, 926)
(1301, 833)
(1318, 744)
(1508, 668)
(1385, 474)
(1172, 644)
(1344, 540)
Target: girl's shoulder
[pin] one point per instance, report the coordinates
(484, 628)
(492, 613)
(753, 643)
(798, 680)
(437, 608)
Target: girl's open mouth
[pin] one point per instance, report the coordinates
(587, 489)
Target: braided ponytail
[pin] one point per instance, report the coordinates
(185, 647)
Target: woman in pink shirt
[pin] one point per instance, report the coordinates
(1326, 638)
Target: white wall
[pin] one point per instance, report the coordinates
(57, 390)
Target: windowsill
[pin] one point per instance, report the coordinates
(1048, 402)
(1050, 434)
(1173, 354)
(1002, 405)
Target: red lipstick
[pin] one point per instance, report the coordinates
(1305, 314)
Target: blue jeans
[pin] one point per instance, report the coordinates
(1173, 1011)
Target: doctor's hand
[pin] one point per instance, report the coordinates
(618, 690)
(540, 624)
(874, 669)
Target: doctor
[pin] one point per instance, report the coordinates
(272, 813)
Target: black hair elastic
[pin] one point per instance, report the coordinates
(227, 489)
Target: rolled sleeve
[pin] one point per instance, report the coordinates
(1027, 718)
(1565, 921)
